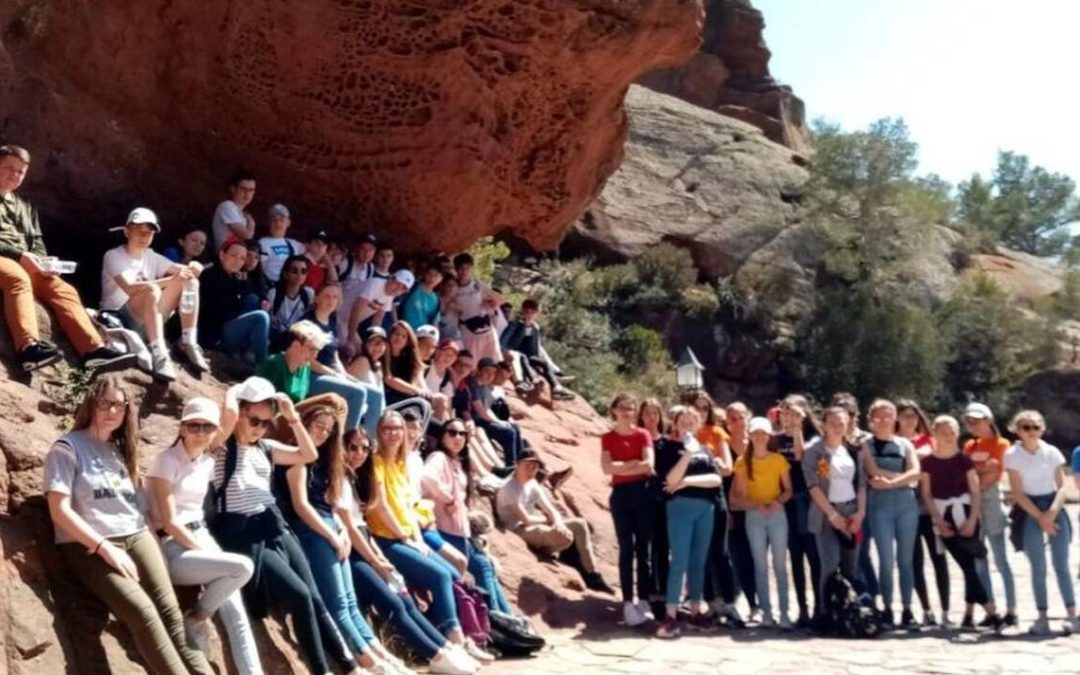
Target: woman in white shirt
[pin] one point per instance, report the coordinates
(1037, 478)
(178, 480)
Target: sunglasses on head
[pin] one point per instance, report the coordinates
(200, 427)
(455, 433)
(260, 422)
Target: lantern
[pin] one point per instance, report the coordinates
(689, 371)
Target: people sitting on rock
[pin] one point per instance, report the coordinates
(427, 340)
(226, 322)
(421, 306)
(473, 400)
(438, 372)
(321, 270)
(521, 344)
(253, 272)
(145, 288)
(353, 270)
(477, 307)
(25, 275)
(230, 217)
(297, 372)
(247, 519)
(307, 496)
(189, 247)
(177, 481)
(289, 299)
(374, 305)
(524, 509)
(91, 481)
(277, 247)
(403, 371)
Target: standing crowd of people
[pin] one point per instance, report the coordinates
(710, 503)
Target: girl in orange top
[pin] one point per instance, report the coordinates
(912, 424)
(987, 449)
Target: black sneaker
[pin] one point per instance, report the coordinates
(38, 355)
(886, 620)
(595, 582)
(968, 623)
(988, 621)
(803, 621)
(996, 623)
(907, 620)
(105, 359)
(1010, 619)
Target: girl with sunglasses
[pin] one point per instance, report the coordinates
(378, 583)
(178, 480)
(393, 521)
(447, 480)
(247, 519)
(289, 299)
(627, 456)
(308, 496)
(91, 476)
(1037, 477)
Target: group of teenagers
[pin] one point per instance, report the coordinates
(707, 500)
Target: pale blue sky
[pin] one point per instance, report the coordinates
(968, 76)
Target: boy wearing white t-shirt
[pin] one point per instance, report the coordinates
(277, 248)
(145, 288)
(230, 219)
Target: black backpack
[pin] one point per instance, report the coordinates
(215, 504)
(846, 616)
(513, 638)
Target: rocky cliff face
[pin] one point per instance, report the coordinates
(432, 123)
(48, 624)
(730, 74)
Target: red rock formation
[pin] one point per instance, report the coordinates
(730, 74)
(431, 121)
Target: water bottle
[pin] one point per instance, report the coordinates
(65, 266)
(187, 300)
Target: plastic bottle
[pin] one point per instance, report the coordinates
(187, 300)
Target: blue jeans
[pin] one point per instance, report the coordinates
(430, 572)
(996, 544)
(364, 401)
(334, 580)
(249, 332)
(867, 575)
(507, 435)
(483, 572)
(769, 531)
(690, 525)
(1035, 549)
(399, 611)
(894, 521)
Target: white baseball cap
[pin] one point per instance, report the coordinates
(144, 216)
(427, 331)
(405, 278)
(255, 390)
(201, 408)
(760, 424)
(979, 411)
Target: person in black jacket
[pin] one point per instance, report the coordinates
(521, 340)
(224, 324)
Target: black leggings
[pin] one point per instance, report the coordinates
(661, 549)
(966, 551)
(632, 509)
(802, 546)
(721, 575)
(743, 559)
(937, 559)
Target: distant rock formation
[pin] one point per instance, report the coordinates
(432, 123)
(730, 74)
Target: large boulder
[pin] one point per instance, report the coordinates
(433, 123)
(730, 74)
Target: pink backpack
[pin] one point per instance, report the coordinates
(472, 612)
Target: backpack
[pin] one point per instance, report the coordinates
(215, 503)
(845, 615)
(122, 339)
(513, 637)
(472, 611)
(279, 299)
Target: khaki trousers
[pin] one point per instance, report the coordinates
(20, 284)
(547, 538)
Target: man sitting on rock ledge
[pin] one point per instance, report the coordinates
(25, 275)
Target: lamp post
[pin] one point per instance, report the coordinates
(689, 372)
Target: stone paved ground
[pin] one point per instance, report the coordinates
(616, 649)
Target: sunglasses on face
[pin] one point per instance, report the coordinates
(111, 406)
(456, 433)
(200, 427)
(1029, 427)
(260, 422)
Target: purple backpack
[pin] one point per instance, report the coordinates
(472, 612)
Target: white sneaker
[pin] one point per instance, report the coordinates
(1040, 627)
(473, 650)
(946, 622)
(163, 366)
(198, 634)
(632, 615)
(194, 355)
(645, 611)
(444, 663)
(767, 620)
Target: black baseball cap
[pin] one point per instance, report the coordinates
(530, 455)
(486, 362)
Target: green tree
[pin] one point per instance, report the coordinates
(487, 253)
(1023, 207)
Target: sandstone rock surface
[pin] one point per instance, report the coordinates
(430, 122)
(730, 74)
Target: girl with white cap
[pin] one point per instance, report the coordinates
(987, 449)
(178, 480)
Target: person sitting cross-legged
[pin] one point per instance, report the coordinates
(226, 323)
(24, 278)
(144, 288)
